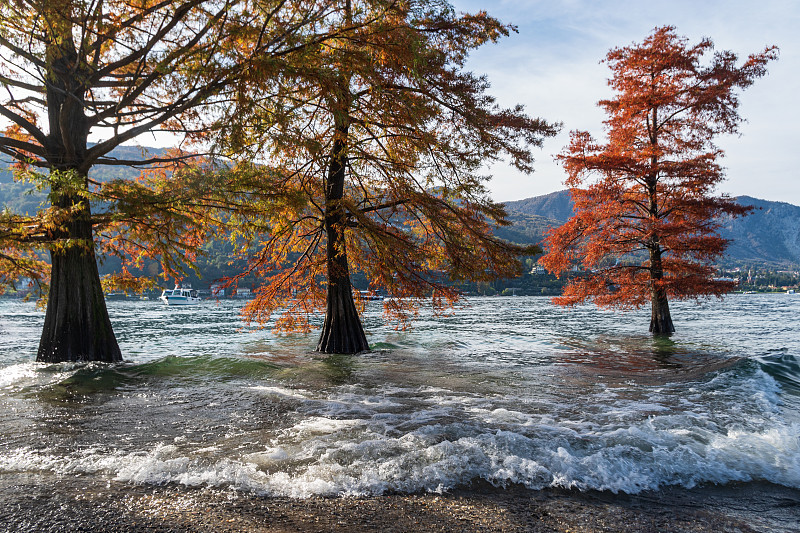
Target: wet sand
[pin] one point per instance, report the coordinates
(43, 503)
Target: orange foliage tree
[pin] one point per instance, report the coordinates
(646, 210)
(117, 69)
(378, 138)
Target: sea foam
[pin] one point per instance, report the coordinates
(327, 457)
(405, 421)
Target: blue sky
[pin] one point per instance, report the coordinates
(552, 67)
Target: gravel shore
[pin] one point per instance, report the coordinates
(46, 505)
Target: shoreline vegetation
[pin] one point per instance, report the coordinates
(112, 506)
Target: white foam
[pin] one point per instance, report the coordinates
(25, 374)
(320, 425)
(267, 457)
(26, 460)
(629, 460)
(14, 374)
(281, 391)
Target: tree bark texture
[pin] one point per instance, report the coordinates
(76, 325)
(660, 318)
(342, 331)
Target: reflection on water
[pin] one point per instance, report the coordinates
(507, 390)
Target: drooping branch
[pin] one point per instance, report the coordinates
(25, 124)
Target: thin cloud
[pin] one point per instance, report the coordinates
(552, 66)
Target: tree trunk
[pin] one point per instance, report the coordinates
(76, 324)
(342, 331)
(660, 318)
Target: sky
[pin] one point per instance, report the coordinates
(552, 66)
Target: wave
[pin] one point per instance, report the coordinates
(94, 377)
(629, 461)
(430, 411)
(784, 367)
(367, 442)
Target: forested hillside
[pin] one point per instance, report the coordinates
(771, 233)
(769, 236)
(22, 197)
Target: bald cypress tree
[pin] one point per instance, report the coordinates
(115, 70)
(380, 134)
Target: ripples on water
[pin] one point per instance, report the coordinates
(507, 390)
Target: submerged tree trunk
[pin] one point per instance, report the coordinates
(660, 318)
(76, 325)
(342, 331)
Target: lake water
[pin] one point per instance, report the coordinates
(509, 391)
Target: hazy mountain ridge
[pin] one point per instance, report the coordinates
(556, 206)
(770, 234)
(23, 197)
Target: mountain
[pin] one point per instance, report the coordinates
(525, 229)
(25, 198)
(556, 206)
(531, 218)
(770, 234)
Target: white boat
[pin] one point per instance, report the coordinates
(369, 295)
(180, 296)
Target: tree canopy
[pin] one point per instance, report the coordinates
(115, 70)
(646, 205)
(378, 138)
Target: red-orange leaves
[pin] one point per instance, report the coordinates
(645, 210)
